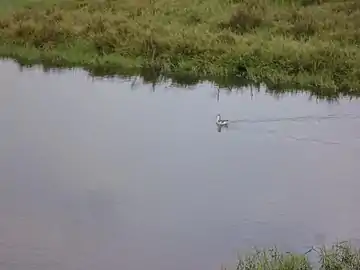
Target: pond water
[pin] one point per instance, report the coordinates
(106, 174)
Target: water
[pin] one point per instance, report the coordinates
(97, 174)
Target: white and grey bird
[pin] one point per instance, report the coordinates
(220, 122)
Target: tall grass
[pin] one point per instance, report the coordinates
(305, 43)
(341, 256)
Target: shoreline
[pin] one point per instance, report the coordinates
(282, 53)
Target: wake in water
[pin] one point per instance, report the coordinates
(296, 119)
(292, 119)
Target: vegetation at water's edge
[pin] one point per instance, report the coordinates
(304, 43)
(339, 257)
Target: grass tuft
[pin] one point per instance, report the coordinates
(341, 256)
(273, 260)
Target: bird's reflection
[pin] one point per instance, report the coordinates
(219, 128)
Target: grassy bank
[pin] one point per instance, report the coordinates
(301, 43)
(339, 257)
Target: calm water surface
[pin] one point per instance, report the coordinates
(96, 174)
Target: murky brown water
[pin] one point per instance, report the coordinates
(96, 175)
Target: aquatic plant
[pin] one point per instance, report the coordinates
(341, 256)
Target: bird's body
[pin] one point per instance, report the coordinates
(221, 122)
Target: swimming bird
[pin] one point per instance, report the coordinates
(220, 122)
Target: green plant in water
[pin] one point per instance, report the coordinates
(341, 256)
(273, 260)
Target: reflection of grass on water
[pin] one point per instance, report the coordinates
(223, 84)
(339, 257)
(292, 43)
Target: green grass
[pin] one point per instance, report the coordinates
(293, 43)
(339, 257)
(7, 6)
